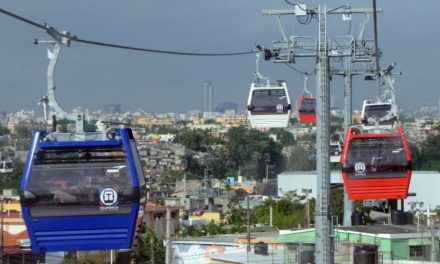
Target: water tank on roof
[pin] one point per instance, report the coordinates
(261, 248)
(306, 254)
(398, 218)
(409, 218)
(358, 218)
(365, 254)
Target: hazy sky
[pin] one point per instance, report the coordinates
(92, 76)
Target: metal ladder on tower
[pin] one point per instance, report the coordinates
(327, 251)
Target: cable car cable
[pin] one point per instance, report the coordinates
(376, 45)
(54, 33)
(287, 1)
(375, 37)
(295, 69)
(76, 39)
(23, 19)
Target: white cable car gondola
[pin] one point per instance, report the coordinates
(335, 152)
(382, 112)
(378, 113)
(6, 166)
(269, 106)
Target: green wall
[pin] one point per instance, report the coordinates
(388, 249)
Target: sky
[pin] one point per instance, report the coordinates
(92, 76)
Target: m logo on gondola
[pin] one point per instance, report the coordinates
(279, 108)
(360, 167)
(108, 197)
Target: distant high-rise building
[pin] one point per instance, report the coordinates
(207, 97)
(225, 106)
(112, 108)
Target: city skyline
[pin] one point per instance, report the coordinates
(91, 76)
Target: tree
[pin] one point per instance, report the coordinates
(338, 203)
(193, 167)
(219, 168)
(4, 131)
(283, 136)
(23, 133)
(191, 139)
(11, 180)
(63, 125)
(428, 156)
(251, 150)
(149, 243)
(90, 126)
(302, 159)
(288, 212)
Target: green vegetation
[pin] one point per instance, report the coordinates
(427, 157)
(11, 180)
(3, 130)
(288, 212)
(150, 245)
(251, 150)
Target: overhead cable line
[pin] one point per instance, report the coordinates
(53, 32)
(295, 69)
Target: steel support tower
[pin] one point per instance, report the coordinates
(286, 51)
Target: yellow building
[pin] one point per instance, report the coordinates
(232, 120)
(154, 120)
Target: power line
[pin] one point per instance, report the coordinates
(52, 31)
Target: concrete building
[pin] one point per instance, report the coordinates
(229, 248)
(392, 243)
(155, 218)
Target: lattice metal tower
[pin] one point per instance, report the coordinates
(286, 51)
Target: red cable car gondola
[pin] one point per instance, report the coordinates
(307, 109)
(376, 165)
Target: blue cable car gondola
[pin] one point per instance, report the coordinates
(80, 193)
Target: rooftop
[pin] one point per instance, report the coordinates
(382, 229)
(228, 238)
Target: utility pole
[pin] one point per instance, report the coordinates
(168, 237)
(307, 192)
(271, 216)
(348, 205)
(248, 219)
(152, 245)
(1, 235)
(431, 224)
(348, 74)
